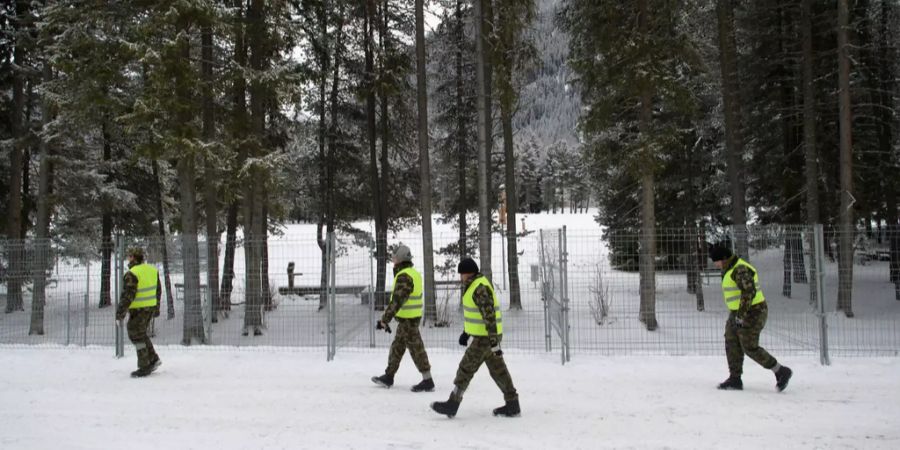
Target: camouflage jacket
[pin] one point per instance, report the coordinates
(129, 290)
(484, 300)
(743, 276)
(401, 290)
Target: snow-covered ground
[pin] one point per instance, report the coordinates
(56, 398)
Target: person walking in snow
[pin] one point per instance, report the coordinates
(140, 299)
(746, 319)
(484, 324)
(406, 306)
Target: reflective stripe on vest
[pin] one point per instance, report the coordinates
(473, 321)
(412, 307)
(145, 297)
(732, 292)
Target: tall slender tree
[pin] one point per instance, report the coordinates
(424, 162)
(847, 228)
(513, 55)
(734, 146)
(809, 134)
(484, 136)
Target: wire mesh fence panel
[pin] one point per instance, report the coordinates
(869, 324)
(69, 311)
(281, 301)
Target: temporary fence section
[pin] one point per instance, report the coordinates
(579, 291)
(554, 286)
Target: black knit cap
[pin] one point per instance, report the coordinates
(467, 265)
(719, 252)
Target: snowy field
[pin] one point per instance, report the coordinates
(55, 398)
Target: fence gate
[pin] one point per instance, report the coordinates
(351, 295)
(554, 289)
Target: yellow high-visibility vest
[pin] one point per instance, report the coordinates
(474, 322)
(412, 308)
(732, 292)
(145, 297)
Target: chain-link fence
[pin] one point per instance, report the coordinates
(580, 291)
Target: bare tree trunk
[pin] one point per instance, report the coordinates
(845, 264)
(210, 175)
(330, 162)
(252, 312)
(264, 254)
(164, 242)
(42, 225)
(798, 265)
(887, 57)
(733, 140)
(483, 106)
(381, 225)
(377, 180)
(239, 126)
(19, 127)
(106, 227)
(461, 138)
(193, 314)
(700, 261)
(259, 250)
(256, 44)
(323, 163)
(228, 264)
(786, 266)
(809, 140)
(647, 254)
(424, 164)
(512, 204)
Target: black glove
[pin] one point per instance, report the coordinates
(156, 312)
(382, 326)
(464, 339)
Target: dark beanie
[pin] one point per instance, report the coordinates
(467, 265)
(719, 252)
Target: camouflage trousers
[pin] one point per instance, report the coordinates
(478, 352)
(744, 340)
(408, 337)
(138, 324)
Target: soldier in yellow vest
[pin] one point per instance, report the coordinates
(406, 306)
(140, 299)
(746, 319)
(483, 322)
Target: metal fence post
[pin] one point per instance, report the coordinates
(119, 261)
(207, 321)
(545, 297)
(820, 276)
(87, 309)
(332, 324)
(564, 291)
(372, 295)
(68, 318)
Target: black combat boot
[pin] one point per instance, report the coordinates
(732, 384)
(424, 386)
(510, 409)
(782, 377)
(384, 380)
(142, 372)
(447, 408)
